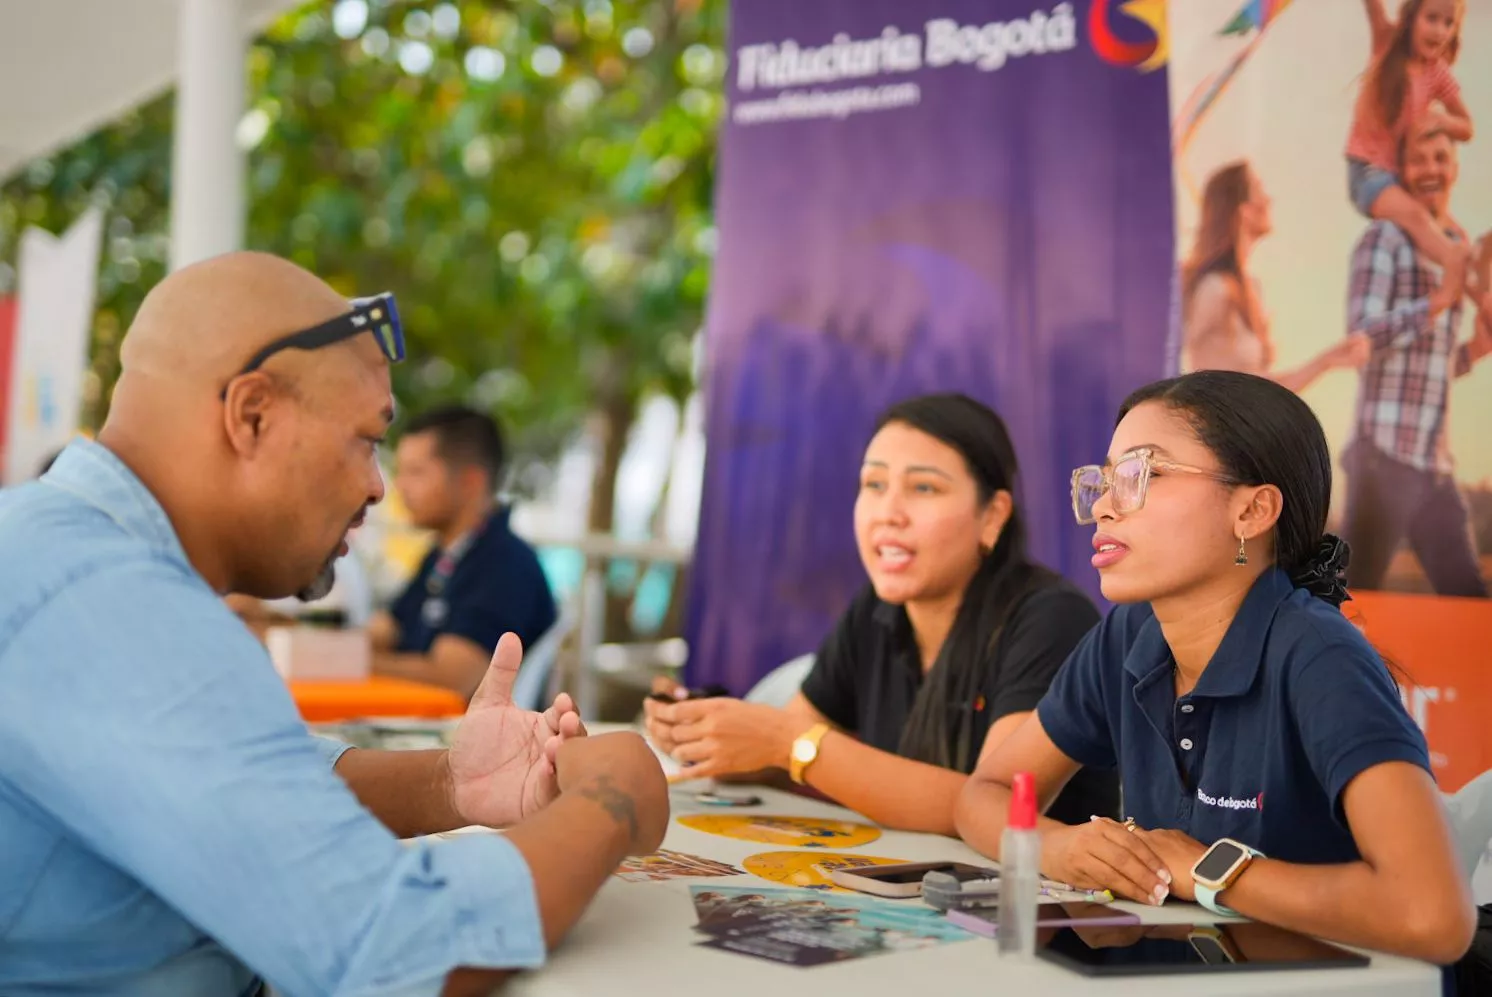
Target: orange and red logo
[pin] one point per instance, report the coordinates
(1146, 55)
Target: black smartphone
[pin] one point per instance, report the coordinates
(717, 798)
(703, 692)
(901, 880)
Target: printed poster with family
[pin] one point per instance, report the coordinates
(1333, 213)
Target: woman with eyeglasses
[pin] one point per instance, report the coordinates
(946, 651)
(1268, 764)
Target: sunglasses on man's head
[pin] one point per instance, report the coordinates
(376, 315)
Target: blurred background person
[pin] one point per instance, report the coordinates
(479, 580)
(1225, 325)
(947, 650)
(1401, 471)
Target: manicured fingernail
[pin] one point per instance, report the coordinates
(1165, 876)
(1160, 894)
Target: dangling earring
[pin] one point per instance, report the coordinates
(1243, 554)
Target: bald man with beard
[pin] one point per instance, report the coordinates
(169, 826)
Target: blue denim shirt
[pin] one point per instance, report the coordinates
(167, 824)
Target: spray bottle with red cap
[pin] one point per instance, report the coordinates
(1020, 871)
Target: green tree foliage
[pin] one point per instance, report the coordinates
(532, 180)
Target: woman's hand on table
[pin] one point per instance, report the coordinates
(1180, 853)
(659, 732)
(1103, 855)
(720, 736)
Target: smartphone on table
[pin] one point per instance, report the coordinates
(897, 881)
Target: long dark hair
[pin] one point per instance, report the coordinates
(1264, 434)
(940, 728)
(1389, 74)
(1215, 248)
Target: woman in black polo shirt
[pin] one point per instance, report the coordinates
(945, 652)
(1269, 765)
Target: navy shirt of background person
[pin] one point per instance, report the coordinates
(488, 585)
(1294, 705)
(479, 580)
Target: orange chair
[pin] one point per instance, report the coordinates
(341, 702)
(1442, 649)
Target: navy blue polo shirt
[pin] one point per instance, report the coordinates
(497, 586)
(1292, 707)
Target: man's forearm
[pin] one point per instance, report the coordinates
(456, 669)
(383, 632)
(1395, 327)
(459, 677)
(571, 847)
(408, 791)
(403, 665)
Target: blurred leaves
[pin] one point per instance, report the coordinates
(532, 180)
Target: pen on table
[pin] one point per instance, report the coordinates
(1051, 887)
(1049, 884)
(1092, 896)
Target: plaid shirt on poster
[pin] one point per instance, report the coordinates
(1402, 403)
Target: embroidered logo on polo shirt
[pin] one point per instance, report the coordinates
(1230, 802)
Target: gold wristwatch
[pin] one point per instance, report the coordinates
(805, 751)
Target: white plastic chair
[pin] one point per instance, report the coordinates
(781, 684)
(1470, 811)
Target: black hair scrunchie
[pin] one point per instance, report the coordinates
(1324, 573)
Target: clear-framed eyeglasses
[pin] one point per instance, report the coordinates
(1126, 481)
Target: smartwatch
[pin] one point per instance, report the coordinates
(1219, 869)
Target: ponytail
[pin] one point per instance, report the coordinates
(1324, 573)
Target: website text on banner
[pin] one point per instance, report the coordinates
(954, 195)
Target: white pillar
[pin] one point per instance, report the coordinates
(207, 167)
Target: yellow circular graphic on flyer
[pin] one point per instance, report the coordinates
(808, 870)
(794, 832)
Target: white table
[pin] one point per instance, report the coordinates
(639, 938)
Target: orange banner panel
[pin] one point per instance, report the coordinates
(1442, 648)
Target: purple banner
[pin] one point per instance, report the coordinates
(969, 195)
